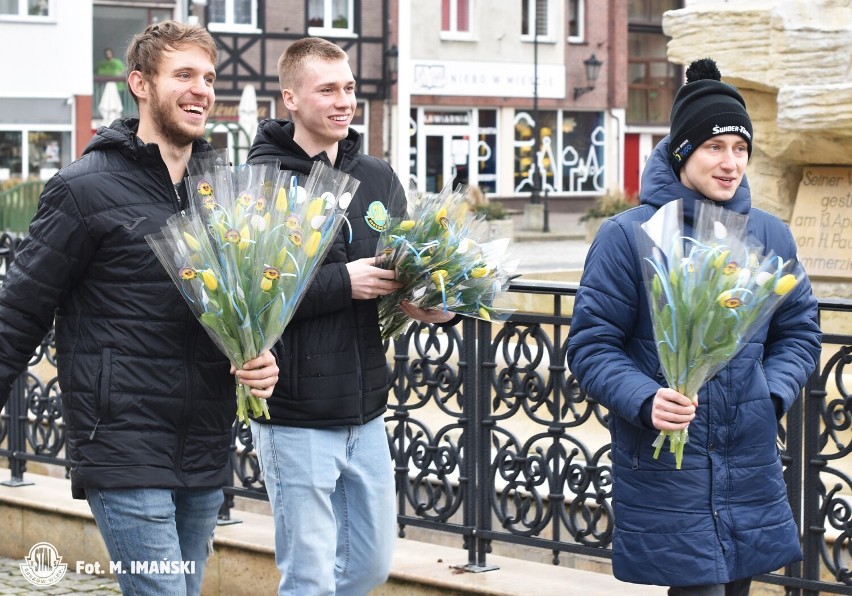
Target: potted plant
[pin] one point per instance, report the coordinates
(605, 206)
(497, 219)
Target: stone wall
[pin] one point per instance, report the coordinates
(792, 62)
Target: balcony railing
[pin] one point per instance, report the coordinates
(493, 441)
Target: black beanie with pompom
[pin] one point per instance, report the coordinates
(703, 108)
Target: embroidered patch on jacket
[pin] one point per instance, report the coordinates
(377, 216)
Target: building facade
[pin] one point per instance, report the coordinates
(561, 98)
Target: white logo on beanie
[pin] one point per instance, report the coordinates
(741, 130)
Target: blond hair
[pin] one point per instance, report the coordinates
(292, 61)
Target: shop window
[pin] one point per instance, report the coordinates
(568, 154)
(11, 163)
(232, 15)
(330, 16)
(47, 152)
(486, 151)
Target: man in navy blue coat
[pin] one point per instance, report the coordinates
(708, 528)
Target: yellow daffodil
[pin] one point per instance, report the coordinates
(441, 218)
(260, 205)
(232, 236)
(245, 198)
(729, 299)
(187, 273)
(730, 268)
(209, 203)
(205, 189)
(296, 237)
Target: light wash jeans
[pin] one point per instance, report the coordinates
(156, 524)
(333, 500)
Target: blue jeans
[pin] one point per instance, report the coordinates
(143, 525)
(333, 500)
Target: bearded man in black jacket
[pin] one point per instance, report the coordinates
(324, 452)
(148, 400)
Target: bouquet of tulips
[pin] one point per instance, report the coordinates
(708, 294)
(440, 255)
(247, 250)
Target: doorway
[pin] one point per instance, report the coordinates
(447, 160)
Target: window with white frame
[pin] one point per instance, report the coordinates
(25, 8)
(455, 16)
(576, 21)
(232, 15)
(534, 18)
(331, 16)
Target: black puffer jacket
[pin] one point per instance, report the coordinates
(148, 400)
(332, 360)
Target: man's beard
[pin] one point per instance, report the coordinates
(169, 127)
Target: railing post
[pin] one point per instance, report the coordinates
(17, 412)
(813, 530)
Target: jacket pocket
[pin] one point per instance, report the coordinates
(102, 383)
(102, 392)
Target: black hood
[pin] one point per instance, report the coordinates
(275, 135)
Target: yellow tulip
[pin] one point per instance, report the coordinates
(483, 312)
(314, 209)
(245, 237)
(721, 258)
(209, 279)
(406, 224)
(785, 284)
(438, 276)
(281, 203)
(281, 258)
(191, 241)
(313, 242)
(478, 272)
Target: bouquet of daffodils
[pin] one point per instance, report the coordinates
(440, 254)
(247, 250)
(708, 294)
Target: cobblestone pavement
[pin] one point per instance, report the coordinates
(12, 581)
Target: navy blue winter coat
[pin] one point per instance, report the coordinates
(725, 514)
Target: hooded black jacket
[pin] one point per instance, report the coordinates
(147, 397)
(332, 359)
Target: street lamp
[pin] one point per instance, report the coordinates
(391, 58)
(593, 69)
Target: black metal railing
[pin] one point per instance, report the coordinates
(493, 441)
